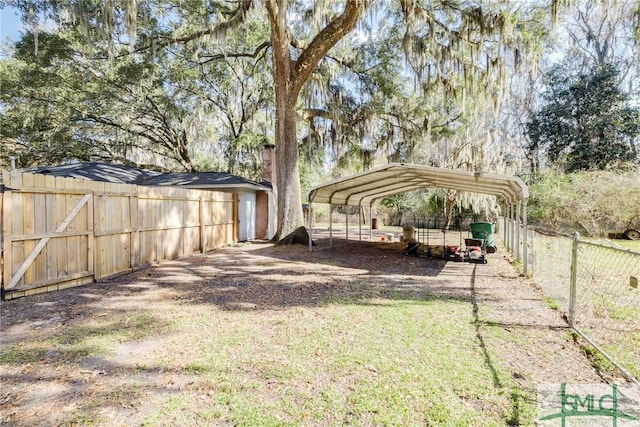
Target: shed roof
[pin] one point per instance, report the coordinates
(121, 174)
(395, 178)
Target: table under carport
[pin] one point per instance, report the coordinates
(365, 188)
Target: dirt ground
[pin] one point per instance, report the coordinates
(39, 389)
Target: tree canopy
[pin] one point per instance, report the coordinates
(337, 86)
(586, 122)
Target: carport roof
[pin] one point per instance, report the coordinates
(395, 178)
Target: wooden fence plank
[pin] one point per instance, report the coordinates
(73, 243)
(22, 237)
(60, 184)
(29, 228)
(122, 227)
(5, 211)
(51, 253)
(90, 241)
(236, 229)
(40, 226)
(16, 251)
(42, 243)
(203, 242)
(134, 234)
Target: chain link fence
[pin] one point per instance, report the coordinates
(549, 260)
(607, 303)
(600, 297)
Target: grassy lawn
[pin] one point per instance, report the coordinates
(384, 362)
(351, 360)
(634, 245)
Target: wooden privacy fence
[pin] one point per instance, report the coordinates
(64, 232)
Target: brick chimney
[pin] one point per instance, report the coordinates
(268, 163)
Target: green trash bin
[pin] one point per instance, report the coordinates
(484, 230)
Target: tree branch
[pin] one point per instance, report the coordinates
(256, 54)
(237, 17)
(324, 41)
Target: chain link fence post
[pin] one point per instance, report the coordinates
(573, 280)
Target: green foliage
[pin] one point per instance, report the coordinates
(397, 204)
(244, 155)
(58, 104)
(64, 97)
(586, 122)
(32, 124)
(309, 177)
(433, 204)
(426, 208)
(184, 88)
(594, 202)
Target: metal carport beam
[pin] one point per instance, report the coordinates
(397, 176)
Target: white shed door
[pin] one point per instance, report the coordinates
(247, 216)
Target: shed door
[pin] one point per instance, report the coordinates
(247, 216)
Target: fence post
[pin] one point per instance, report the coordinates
(573, 283)
(5, 230)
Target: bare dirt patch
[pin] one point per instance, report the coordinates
(113, 353)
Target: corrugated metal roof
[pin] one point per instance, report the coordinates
(395, 178)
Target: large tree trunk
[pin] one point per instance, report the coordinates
(289, 76)
(287, 185)
(287, 172)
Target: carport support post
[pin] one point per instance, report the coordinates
(310, 213)
(330, 224)
(512, 245)
(346, 223)
(517, 224)
(525, 227)
(370, 221)
(360, 221)
(507, 222)
(506, 226)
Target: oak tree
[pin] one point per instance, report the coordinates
(586, 122)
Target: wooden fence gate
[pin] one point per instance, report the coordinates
(63, 232)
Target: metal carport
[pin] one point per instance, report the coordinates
(394, 178)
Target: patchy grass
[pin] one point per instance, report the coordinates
(379, 361)
(356, 360)
(551, 303)
(76, 342)
(634, 245)
(597, 359)
(302, 344)
(22, 352)
(629, 359)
